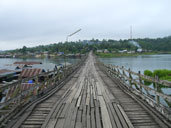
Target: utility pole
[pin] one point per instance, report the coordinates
(67, 41)
(72, 34)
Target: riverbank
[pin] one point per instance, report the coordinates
(108, 55)
(163, 74)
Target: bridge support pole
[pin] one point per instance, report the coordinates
(157, 89)
(140, 80)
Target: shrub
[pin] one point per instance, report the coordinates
(162, 73)
(148, 73)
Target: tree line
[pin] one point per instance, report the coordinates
(159, 44)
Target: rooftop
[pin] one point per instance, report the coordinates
(28, 62)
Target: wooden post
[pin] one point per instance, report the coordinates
(130, 76)
(118, 73)
(123, 74)
(113, 69)
(140, 80)
(157, 89)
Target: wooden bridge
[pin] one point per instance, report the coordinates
(87, 95)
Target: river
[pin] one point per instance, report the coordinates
(135, 63)
(45, 61)
(141, 63)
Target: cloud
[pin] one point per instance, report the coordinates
(35, 22)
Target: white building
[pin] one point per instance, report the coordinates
(139, 50)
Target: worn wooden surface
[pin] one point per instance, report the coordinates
(135, 82)
(91, 100)
(95, 101)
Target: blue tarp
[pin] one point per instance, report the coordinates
(30, 81)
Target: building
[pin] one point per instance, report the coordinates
(139, 50)
(99, 51)
(27, 62)
(30, 72)
(131, 52)
(7, 75)
(123, 51)
(106, 51)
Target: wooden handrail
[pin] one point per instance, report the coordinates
(151, 79)
(15, 94)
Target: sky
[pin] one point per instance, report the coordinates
(40, 22)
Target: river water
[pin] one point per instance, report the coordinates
(135, 63)
(141, 63)
(45, 61)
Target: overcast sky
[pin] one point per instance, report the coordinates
(38, 22)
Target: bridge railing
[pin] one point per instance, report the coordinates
(21, 92)
(135, 82)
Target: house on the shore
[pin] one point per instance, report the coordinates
(99, 51)
(106, 51)
(123, 51)
(31, 72)
(139, 50)
(27, 62)
(7, 75)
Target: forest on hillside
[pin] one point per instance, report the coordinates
(159, 44)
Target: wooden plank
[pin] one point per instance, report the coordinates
(79, 116)
(88, 117)
(60, 123)
(30, 126)
(62, 115)
(84, 117)
(59, 112)
(114, 125)
(105, 115)
(52, 123)
(74, 116)
(69, 114)
(125, 116)
(116, 118)
(78, 125)
(97, 115)
(91, 101)
(93, 124)
(57, 108)
(121, 118)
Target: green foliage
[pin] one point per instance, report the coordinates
(148, 73)
(122, 54)
(24, 50)
(159, 44)
(163, 74)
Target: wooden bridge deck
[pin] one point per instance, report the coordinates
(92, 100)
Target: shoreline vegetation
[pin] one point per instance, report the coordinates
(109, 55)
(163, 74)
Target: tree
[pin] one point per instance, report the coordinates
(24, 50)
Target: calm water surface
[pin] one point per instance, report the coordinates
(141, 63)
(45, 61)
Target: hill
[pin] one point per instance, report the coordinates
(159, 44)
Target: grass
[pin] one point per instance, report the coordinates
(123, 54)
